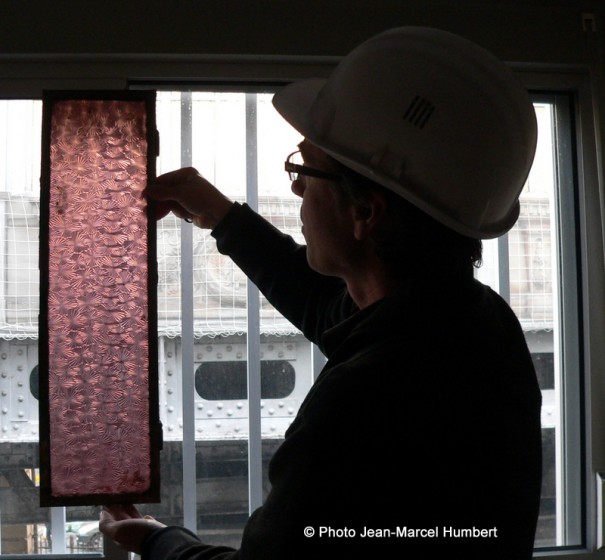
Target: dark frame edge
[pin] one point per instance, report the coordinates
(152, 494)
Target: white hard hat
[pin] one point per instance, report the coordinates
(429, 115)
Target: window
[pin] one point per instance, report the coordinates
(213, 325)
(534, 268)
(219, 381)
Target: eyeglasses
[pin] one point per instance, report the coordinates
(295, 170)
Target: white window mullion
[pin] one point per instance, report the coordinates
(567, 327)
(57, 530)
(3, 260)
(255, 464)
(318, 360)
(504, 268)
(187, 342)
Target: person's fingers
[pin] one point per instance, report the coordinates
(107, 523)
(188, 195)
(176, 177)
(119, 512)
(106, 518)
(132, 511)
(161, 209)
(161, 192)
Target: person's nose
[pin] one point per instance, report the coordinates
(298, 187)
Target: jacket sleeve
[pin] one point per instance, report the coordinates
(178, 543)
(278, 266)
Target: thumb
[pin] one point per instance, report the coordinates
(105, 520)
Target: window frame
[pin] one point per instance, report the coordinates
(256, 74)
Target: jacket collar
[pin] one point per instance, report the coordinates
(413, 295)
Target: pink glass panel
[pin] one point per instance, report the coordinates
(97, 299)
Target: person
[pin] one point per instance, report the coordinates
(421, 436)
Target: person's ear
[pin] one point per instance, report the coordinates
(366, 216)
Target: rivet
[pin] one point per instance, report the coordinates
(200, 406)
(21, 414)
(229, 348)
(280, 354)
(230, 412)
(20, 398)
(170, 391)
(238, 355)
(209, 413)
(289, 347)
(199, 357)
(170, 372)
(4, 355)
(171, 409)
(220, 406)
(271, 411)
(290, 410)
(208, 348)
(3, 374)
(170, 428)
(270, 347)
(169, 354)
(218, 424)
(15, 427)
(239, 405)
(20, 352)
(19, 368)
(218, 355)
(4, 393)
(281, 404)
(20, 383)
(5, 411)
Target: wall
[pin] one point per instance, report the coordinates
(520, 30)
(257, 39)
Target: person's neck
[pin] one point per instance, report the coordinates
(371, 287)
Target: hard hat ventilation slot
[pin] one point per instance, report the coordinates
(419, 112)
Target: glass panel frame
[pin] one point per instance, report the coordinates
(132, 354)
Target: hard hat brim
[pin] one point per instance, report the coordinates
(429, 115)
(295, 101)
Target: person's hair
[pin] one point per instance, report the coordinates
(407, 237)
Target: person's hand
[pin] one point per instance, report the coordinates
(126, 526)
(188, 195)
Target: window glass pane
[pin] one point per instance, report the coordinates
(212, 137)
(219, 381)
(216, 128)
(215, 139)
(528, 267)
(25, 527)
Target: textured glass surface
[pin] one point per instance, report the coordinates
(97, 299)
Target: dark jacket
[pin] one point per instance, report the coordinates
(421, 436)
